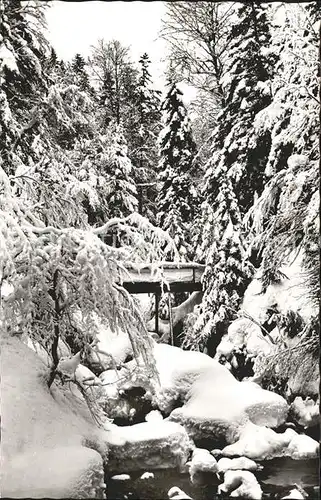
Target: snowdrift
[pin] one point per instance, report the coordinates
(50, 446)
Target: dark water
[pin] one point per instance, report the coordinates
(276, 479)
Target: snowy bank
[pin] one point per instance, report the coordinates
(46, 434)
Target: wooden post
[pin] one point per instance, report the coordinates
(156, 312)
(170, 318)
(140, 200)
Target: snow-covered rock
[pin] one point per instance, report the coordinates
(45, 432)
(241, 484)
(202, 462)
(146, 446)
(121, 477)
(302, 447)
(295, 494)
(147, 475)
(177, 370)
(218, 406)
(176, 493)
(154, 416)
(261, 443)
(306, 412)
(241, 463)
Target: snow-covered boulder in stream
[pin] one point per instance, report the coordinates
(175, 493)
(177, 370)
(241, 463)
(50, 445)
(305, 412)
(218, 407)
(146, 446)
(241, 484)
(201, 465)
(261, 443)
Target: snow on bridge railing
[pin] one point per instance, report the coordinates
(157, 277)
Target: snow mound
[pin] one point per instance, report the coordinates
(261, 443)
(202, 462)
(154, 416)
(218, 406)
(241, 484)
(306, 412)
(40, 427)
(294, 494)
(178, 370)
(241, 463)
(175, 493)
(146, 446)
(63, 472)
(147, 475)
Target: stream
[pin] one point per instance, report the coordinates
(277, 478)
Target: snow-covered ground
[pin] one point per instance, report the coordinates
(50, 445)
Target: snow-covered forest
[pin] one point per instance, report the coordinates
(159, 258)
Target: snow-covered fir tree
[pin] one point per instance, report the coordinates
(227, 272)
(23, 81)
(122, 193)
(246, 83)
(292, 117)
(79, 68)
(235, 171)
(145, 157)
(149, 115)
(285, 218)
(177, 197)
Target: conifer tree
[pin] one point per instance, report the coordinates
(227, 272)
(292, 118)
(78, 66)
(147, 128)
(285, 217)
(177, 197)
(23, 81)
(235, 172)
(246, 83)
(122, 192)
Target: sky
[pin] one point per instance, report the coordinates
(75, 26)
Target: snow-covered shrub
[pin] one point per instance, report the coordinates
(59, 280)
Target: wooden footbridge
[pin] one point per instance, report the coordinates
(162, 277)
